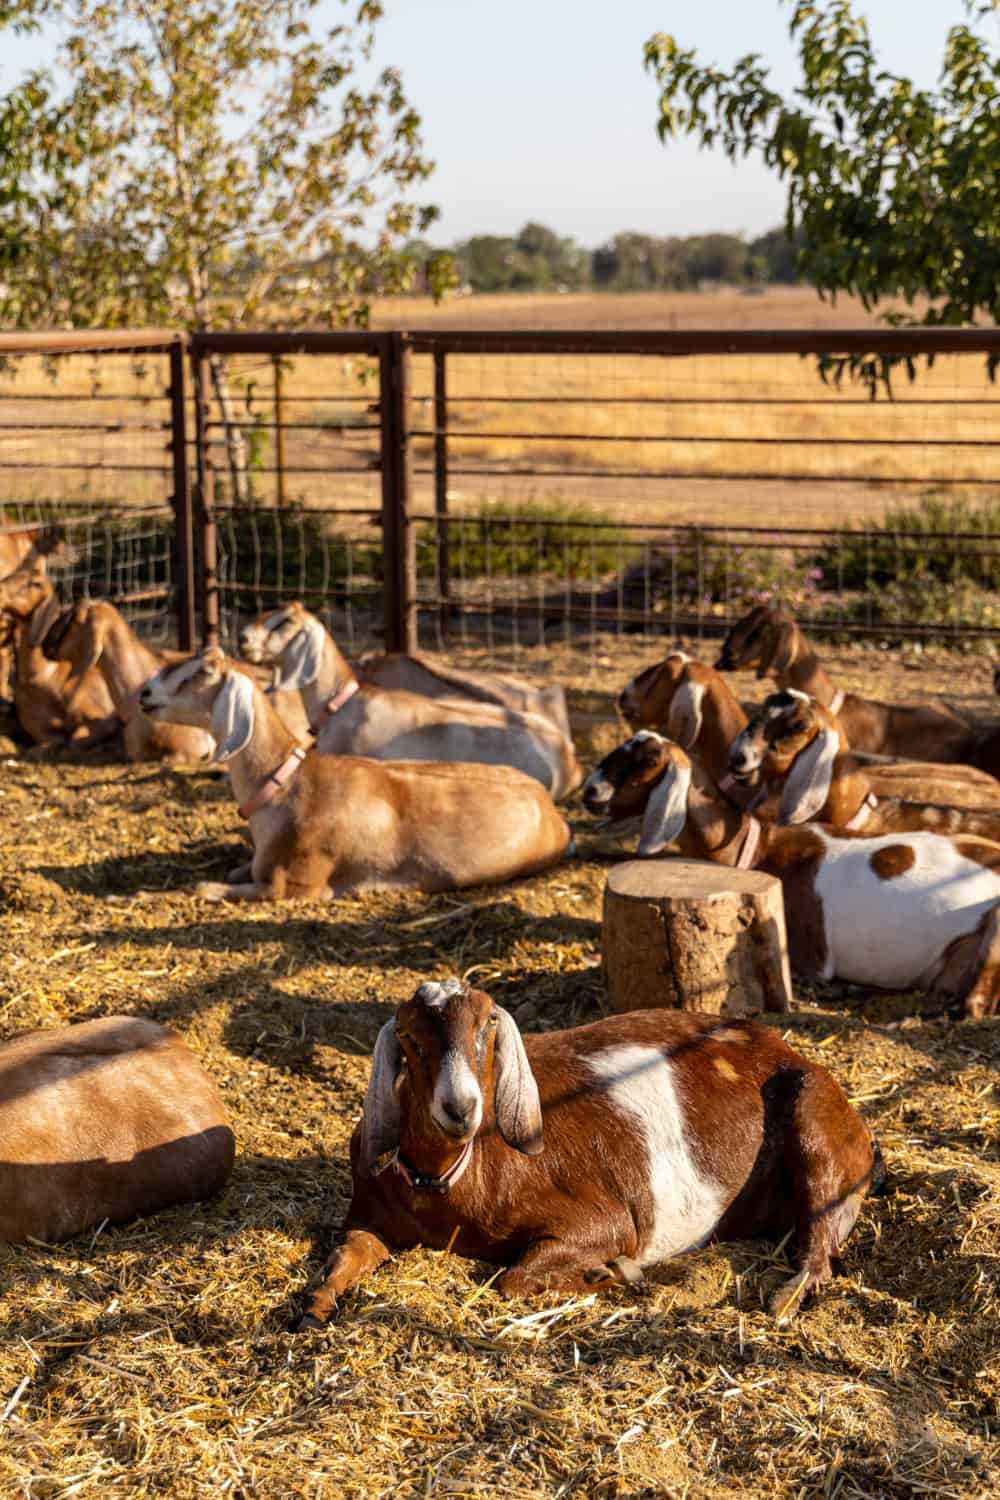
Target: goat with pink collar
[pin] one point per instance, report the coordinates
(327, 825)
(352, 718)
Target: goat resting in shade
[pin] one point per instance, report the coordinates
(579, 1158)
(904, 911)
(772, 642)
(794, 749)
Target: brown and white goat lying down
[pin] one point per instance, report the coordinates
(352, 718)
(903, 911)
(795, 750)
(109, 1120)
(579, 1158)
(416, 674)
(327, 825)
(772, 642)
(692, 704)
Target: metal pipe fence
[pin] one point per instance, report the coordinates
(511, 489)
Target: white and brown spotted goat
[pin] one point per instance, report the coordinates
(325, 825)
(579, 1158)
(903, 911)
(108, 1120)
(352, 718)
(795, 750)
(771, 641)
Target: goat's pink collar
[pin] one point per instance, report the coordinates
(335, 702)
(419, 1181)
(837, 701)
(863, 813)
(269, 789)
(750, 846)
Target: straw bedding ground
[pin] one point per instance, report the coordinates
(152, 1359)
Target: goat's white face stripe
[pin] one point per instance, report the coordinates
(641, 736)
(456, 1084)
(687, 1206)
(597, 787)
(743, 753)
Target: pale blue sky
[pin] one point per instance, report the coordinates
(541, 109)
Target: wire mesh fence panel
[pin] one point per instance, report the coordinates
(86, 446)
(293, 443)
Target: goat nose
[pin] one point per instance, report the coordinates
(459, 1111)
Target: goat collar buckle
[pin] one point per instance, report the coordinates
(336, 702)
(272, 786)
(750, 844)
(863, 813)
(420, 1182)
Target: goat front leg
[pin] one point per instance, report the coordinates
(982, 998)
(558, 1265)
(350, 1263)
(241, 875)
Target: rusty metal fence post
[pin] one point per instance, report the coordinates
(441, 488)
(208, 548)
(398, 537)
(181, 498)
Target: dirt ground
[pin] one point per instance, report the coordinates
(152, 1359)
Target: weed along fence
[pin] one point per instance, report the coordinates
(503, 491)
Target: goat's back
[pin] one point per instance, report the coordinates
(110, 1119)
(417, 675)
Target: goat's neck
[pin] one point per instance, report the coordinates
(716, 829)
(805, 674)
(722, 721)
(421, 1143)
(334, 674)
(849, 787)
(125, 662)
(269, 745)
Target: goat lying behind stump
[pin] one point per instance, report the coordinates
(578, 1158)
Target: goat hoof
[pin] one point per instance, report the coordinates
(305, 1323)
(211, 890)
(784, 1304)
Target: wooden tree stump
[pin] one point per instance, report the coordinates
(689, 935)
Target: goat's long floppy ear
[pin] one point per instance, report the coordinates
(232, 716)
(42, 619)
(666, 810)
(299, 663)
(380, 1124)
(515, 1092)
(808, 784)
(777, 649)
(684, 718)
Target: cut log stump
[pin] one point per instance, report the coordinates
(688, 935)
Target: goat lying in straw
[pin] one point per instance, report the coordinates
(414, 674)
(772, 642)
(93, 636)
(108, 1120)
(352, 718)
(48, 706)
(692, 704)
(795, 749)
(904, 911)
(327, 825)
(579, 1158)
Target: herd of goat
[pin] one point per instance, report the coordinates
(574, 1159)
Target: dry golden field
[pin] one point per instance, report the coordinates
(151, 1359)
(704, 438)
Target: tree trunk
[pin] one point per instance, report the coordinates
(688, 935)
(236, 448)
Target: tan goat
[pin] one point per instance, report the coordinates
(327, 825)
(773, 643)
(349, 718)
(415, 674)
(47, 708)
(93, 635)
(108, 1120)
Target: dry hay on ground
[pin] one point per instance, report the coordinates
(151, 1359)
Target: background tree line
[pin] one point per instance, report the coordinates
(539, 260)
